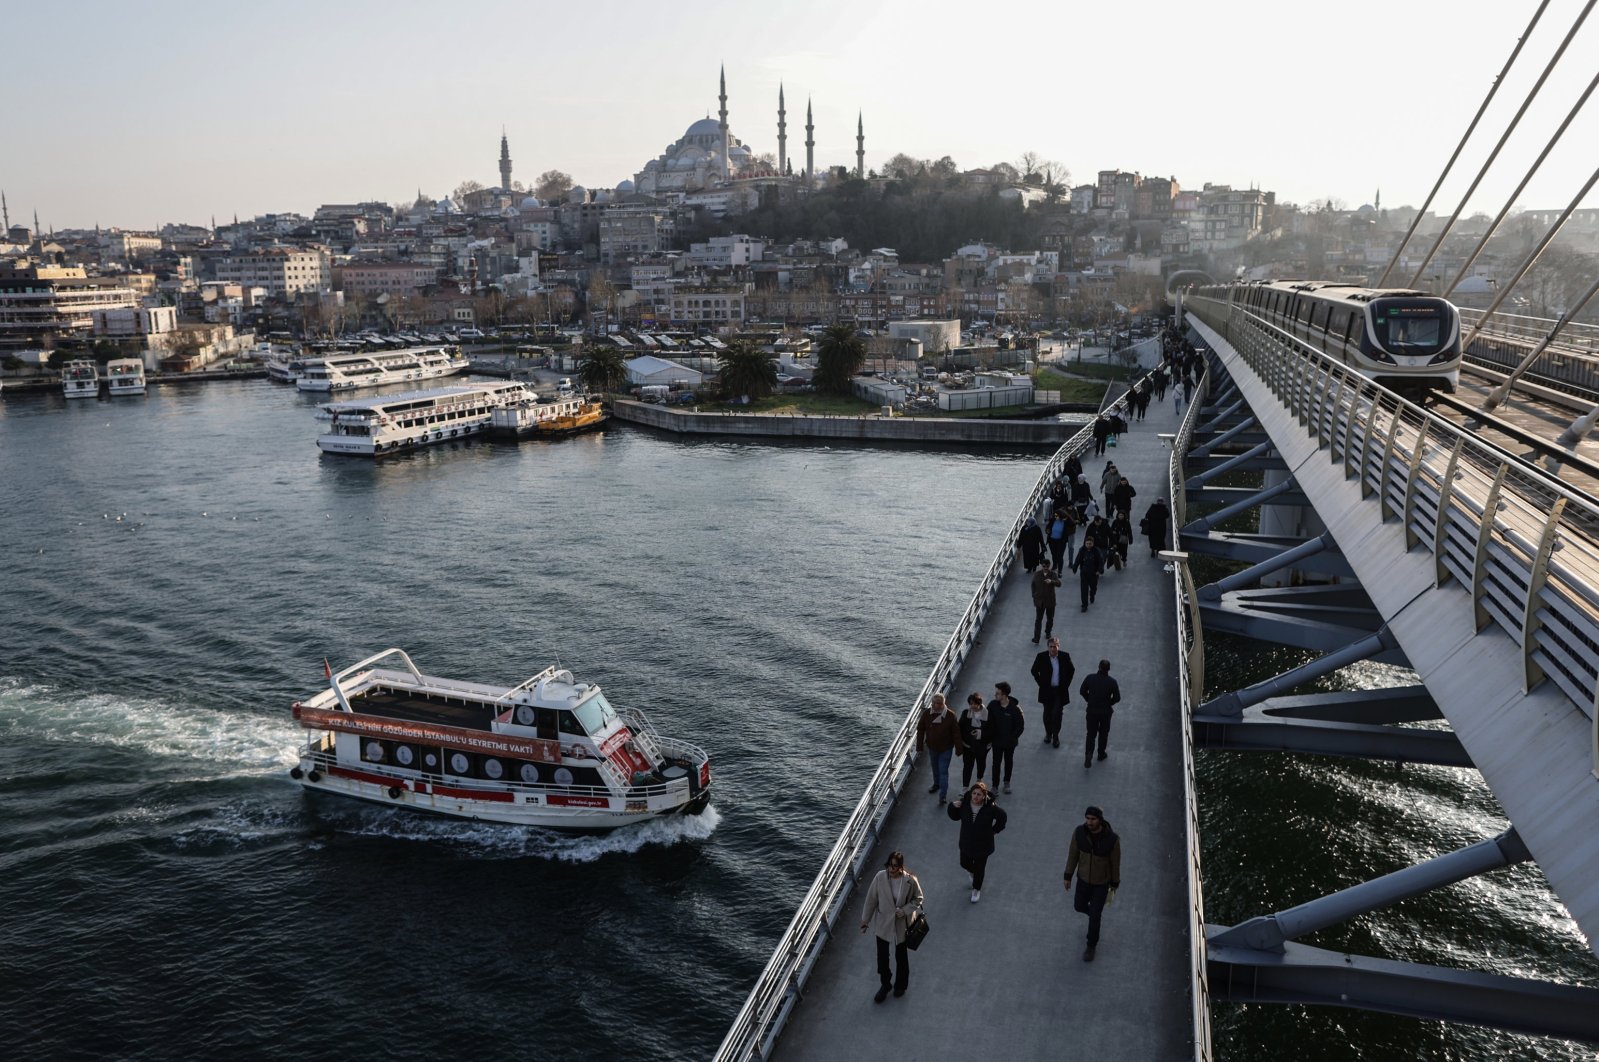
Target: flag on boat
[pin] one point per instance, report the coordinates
(326, 669)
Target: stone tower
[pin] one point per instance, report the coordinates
(505, 162)
(810, 145)
(721, 125)
(860, 146)
(782, 133)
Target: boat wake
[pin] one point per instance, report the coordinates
(229, 743)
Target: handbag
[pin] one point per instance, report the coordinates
(916, 930)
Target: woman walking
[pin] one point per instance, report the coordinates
(1154, 526)
(975, 737)
(892, 899)
(980, 820)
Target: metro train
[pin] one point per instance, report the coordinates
(1405, 340)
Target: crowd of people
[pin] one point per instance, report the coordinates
(985, 733)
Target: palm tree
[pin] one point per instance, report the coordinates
(746, 370)
(839, 356)
(603, 370)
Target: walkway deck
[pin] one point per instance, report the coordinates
(1007, 974)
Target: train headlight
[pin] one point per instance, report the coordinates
(1383, 356)
(1443, 356)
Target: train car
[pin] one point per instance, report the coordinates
(1408, 341)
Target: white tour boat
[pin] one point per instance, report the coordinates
(125, 376)
(80, 379)
(390, 424)
(346, 372)
(550, 751)
(285, 366)
(535, 416)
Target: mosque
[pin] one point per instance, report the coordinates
(708, 154)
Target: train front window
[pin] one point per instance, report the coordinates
(1414, 332)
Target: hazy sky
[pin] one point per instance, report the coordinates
(134, 115)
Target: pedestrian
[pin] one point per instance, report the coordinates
(981, 818)
(1082, 494)
(1088, 563)
(1030, 541)
(1109, 480)
(1006, 723)
(892, 900)
(975, 733)
(1101, 433)
(1044, 583)
(1101, 693)
(1071, 469)
(1161, 378)
(1095, 857)
(1176, 398)
(1188, 388)
(1053, 671)
(1122, 502)
(1121, 537)
(1154, 525)
(1059, 538)
(939, 732)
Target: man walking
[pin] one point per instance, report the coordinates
(1053, 671)
(1007, 722)
(940, 733)
(1088, 563)
(1101, 693)
(1096, 851)
(1044, 583)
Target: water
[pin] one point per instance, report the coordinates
(177, 567)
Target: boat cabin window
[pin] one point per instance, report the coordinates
(570, 723)
(549, 728)
(596, 713)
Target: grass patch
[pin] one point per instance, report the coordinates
(1071, 390)
(812, 402)
(1094, 370)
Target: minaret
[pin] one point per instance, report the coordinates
(5, 214)
(810, 146)
(36, 233)
(860, 146)
(727, 166)
(505, 161)
(782, 133)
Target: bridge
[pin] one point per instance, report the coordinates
(1366, 528)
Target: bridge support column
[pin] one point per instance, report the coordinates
(1203, 525)
(1200, 479)
(1234, 702)
(1247, 577)
(1225, 437)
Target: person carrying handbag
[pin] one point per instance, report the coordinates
(892, 899)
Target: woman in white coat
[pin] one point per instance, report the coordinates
(892, 899)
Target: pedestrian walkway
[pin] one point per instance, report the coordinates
(1005, 976)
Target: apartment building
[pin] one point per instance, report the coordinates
(283, 271)
(39, 300)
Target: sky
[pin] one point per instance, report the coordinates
(137, 115)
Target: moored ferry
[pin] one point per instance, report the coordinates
(391, 424)
(550, 751)
(125, 376)
(346, 372)
(285, 366)
(538, 416)
(80, 379)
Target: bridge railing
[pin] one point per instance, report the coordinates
(1570, 364)
(1191, 690)
(1522, 543)
(771, 1001)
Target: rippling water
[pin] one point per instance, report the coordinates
(176, 568)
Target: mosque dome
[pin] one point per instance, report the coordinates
(578, 194)
(531, 203)
(624, 188)
(704, 127)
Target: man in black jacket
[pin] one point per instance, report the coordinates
(1096, 858)
(1053, 671)
(1088, 563)
(1100, 692)
(1006, 723)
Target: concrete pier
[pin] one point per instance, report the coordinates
(1045, 432)
(1006, 974)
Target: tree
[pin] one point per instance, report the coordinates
(747, 370)
(464, 189)
(552, 184)
(839, 356)
(604, 369)
(1006, 170)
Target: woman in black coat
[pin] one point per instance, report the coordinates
(980, 820)
(1031, 541)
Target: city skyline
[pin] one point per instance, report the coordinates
(313, 106)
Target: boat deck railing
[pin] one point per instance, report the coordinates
(323, 757)
(766, 1011)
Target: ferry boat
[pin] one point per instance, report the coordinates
(346, 372)
(80, 379)
(284, 366)
(535, 416)
(125, 376)
(550, 751)
(393, 423)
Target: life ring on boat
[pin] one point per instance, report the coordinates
(395, 792)
(314, 776)
(296, 773)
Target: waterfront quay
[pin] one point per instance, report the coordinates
(1009, 968)
(1046, 431)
